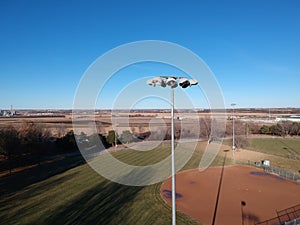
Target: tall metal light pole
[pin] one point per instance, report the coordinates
(173, 160)
(171, 81)
(233, 141)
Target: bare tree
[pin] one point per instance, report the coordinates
(253, 128)
(241, 142)
(295, 128)
(101, 128)
(9, 144)
(32, 136)
(60, 130)
(205, 127)
(239, 128)
(286, 127)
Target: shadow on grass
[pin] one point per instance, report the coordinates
(18, 181)
(105, 203)
(102, 204)
(9, 203)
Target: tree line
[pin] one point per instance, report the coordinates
(31, 143)
(282, 129)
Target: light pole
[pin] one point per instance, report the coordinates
(172, 81)
(233, 141)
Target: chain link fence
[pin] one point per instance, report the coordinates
(283, 173)
(295, 176)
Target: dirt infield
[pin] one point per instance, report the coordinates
(196, 194)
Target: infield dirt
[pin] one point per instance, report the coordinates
(263, 194)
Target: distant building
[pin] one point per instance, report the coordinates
(7, 113)
(295, 118)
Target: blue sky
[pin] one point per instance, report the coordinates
(252, 47)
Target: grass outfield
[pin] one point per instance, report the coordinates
(69, 192)
(285, 147)
(283, 153)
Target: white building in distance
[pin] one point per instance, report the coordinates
(295, 118)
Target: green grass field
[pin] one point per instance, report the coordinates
(284, 153)
(285, 147)
(68, 191)
(79, 195)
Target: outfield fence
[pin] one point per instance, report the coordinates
(295, 176)
(283, 173)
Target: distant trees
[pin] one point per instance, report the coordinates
(31, 142)
(67, 143)
(25, 145)
(112, 137)
(295, 129)
(33, 138)
(240, 141)
(126, 137)
(205, 127)
(60, 130)
(276, 130)
(264, 129)
(281, 129)
(253, 128)
(94, 138)
(9, 144)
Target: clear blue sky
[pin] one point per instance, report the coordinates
(253, 47)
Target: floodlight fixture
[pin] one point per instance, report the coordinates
(156, 81)
(171, 81)
(163, 83)
(184, 82)
(193, 82)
